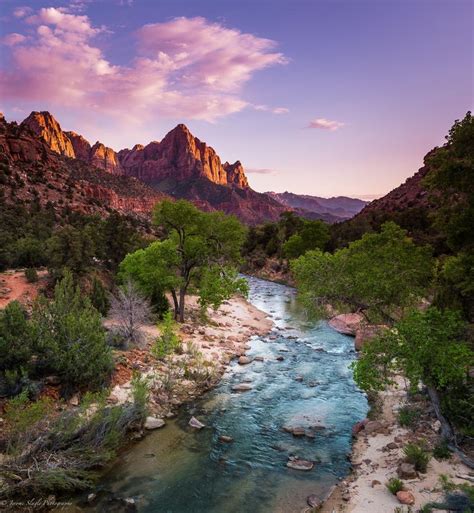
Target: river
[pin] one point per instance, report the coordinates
(181, 470)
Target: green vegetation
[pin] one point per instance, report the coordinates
(441, 451)
(418, 456)
(99, 296)
(169, 341)
(394, 485)
(200, 250)
(407, 416)
(31, 275)
(380, 274)
(290, 238)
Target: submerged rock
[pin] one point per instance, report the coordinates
(195, 423)
(313, 501)
(242, 387)
(226, 439)
(153, 423)
(299, 464)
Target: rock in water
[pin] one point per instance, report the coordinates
(241, 387)
(194, 423)
(226, 439)
(153, 423)
(346, 323)
(313, 501)
(244, 360)
(297, 464)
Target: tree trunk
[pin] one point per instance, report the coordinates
(175, 304)
(182, 295)
(446, 429)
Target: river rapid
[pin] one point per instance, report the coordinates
(180, 470)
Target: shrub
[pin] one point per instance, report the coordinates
(31, 275)
(407, 416)
(140, 394)
(168, 341)
(394, 485)
(99, 297)
(441, 451)
(71, 337)
(417, 455)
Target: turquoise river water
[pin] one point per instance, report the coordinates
(180, 470)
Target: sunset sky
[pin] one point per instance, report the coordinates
(323, 97)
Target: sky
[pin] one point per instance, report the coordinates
(322, 97)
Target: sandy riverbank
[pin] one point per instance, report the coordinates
(377, 455)
(207, 348)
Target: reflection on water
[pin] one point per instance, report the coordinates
(179, 470)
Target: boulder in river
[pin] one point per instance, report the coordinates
(314, 501)
(242, 387)
(299, 464)
(244, 360)
(347, 324)
(195, 423)
(153, 423)
(226, 439)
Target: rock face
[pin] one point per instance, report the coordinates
(71, 144)
(365, 333)
(180, 156)
(53, 178)
(44, 125)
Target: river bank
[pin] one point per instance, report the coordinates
(377, 454)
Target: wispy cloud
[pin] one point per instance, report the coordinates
(185, 67)
(13, 39)
(273, 110)
(325, 124)
(260, 171)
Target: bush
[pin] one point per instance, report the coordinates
(441, 451)
(407, 416)
(31, 275)
(71, 337)
(168, 341)
(99, 297)
(417, 455)
(394, 485)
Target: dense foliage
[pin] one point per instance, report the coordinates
(289, 238)
(378, 274)
(199, 250)
(64, 337)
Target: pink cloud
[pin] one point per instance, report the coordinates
(21, 12)
(260, 171)
(274, 110)
(13, 39)
(186, 67)
(325, 124)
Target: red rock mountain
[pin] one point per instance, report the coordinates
(71, 144)
(180, 165)
(32, 171)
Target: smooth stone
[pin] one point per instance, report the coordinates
(313, 501)
(195, 423)
(226, 439)
(405, 498)
(153, 423)
(242, 387)
(297, 464)
(244, 360)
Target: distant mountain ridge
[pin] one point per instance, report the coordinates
(337, 208)
(180, 165)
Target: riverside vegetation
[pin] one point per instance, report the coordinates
(420, 289)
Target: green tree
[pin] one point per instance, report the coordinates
(428, 348)
(71, 338)
(377, 275)
(99, 297)
(16, 341)
(195, 242)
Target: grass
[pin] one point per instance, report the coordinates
(394, 485)
(418, 456)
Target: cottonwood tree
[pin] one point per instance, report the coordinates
(196, 245)
(378, 275)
